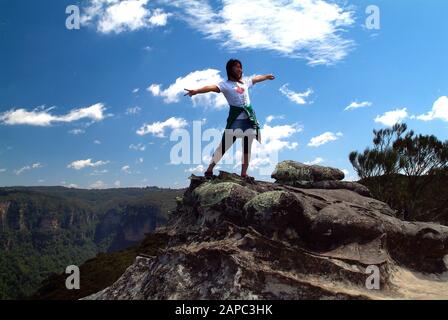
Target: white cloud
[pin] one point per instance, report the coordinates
(295, 97)
(122, 15)
(324, 138)
(356, 105)
(125, 169)
(136, 90)
(439, 110)
(140, 160)
(198, 169)
(98, 185)
(42, 117)
(159, 18)
(158, 128)
(390, 118)
(349, 176)
(307, 29)
(2, 170)
(71, 185)
(117, 183)
(138, 147)
(154, 89)
(77, 131)
(270, 118)
(193, 80)
(99, 172)
(26, 168)
(277, 133)
(85, 125)
(97, 142)
(81, 164)
(133, 110)
(94, 112)
(315, 161)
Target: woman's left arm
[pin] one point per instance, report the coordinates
(262, 78)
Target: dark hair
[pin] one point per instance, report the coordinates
(229, 66)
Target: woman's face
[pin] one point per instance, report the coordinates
(237, 71)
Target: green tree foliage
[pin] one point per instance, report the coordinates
(421, 158)
(397, 153)
(45, 229)
(382, 159)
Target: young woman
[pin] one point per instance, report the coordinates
(241, 114)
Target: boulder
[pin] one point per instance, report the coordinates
(232, 239)
(289, 171)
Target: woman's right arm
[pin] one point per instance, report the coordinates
(212, 88)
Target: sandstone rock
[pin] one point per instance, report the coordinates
(291, 171)
(230, 239)
(333, 184)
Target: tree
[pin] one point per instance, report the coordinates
(419, 158)
(381, 161)
(383, 158)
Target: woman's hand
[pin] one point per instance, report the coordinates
(270, 77)
(190, 92)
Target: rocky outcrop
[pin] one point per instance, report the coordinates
(232, 238)
(134, 224)
(291, 171)
(3, 211)
(314, 177)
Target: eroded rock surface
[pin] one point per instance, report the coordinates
(233, 239)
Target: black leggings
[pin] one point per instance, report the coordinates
(225, 145)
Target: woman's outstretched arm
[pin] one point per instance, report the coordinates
(212, 88)
(262, 78)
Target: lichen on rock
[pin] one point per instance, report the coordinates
(230, 239)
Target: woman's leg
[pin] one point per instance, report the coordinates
(247, 147)
(226, 142)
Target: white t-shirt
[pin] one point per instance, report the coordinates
(237, 94)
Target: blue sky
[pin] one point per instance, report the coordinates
(95, 107)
